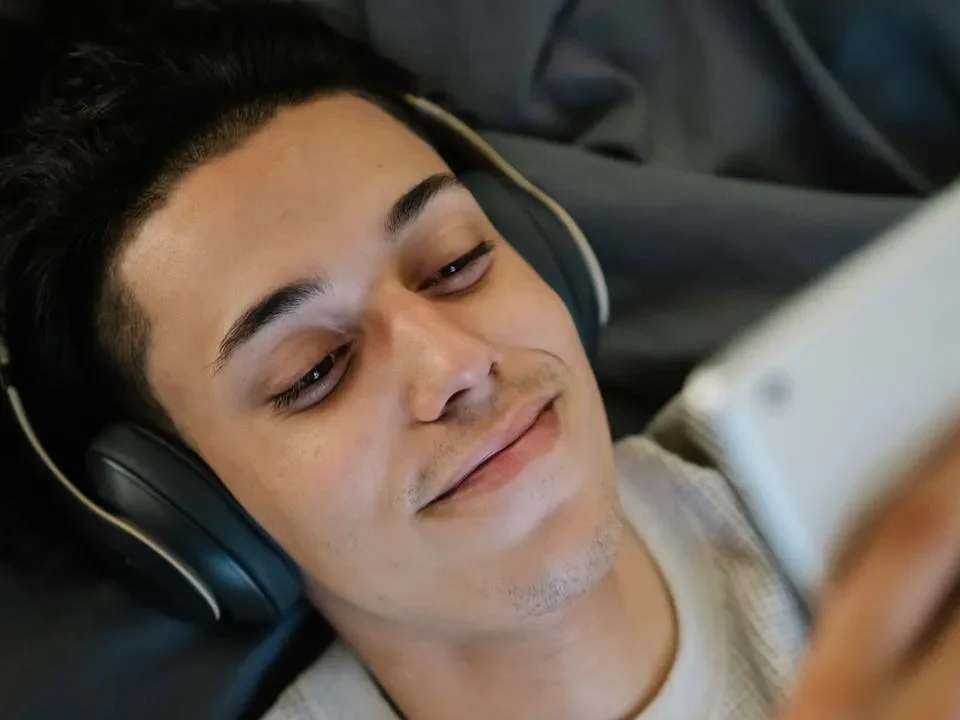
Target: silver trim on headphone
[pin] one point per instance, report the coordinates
(23, 421)
(593, 265)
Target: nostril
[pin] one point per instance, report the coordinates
(456, 397)
(450, 406)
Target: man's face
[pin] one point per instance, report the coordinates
(343, 336)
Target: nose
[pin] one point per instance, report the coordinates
(442, 362)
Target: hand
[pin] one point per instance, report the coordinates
(886, 642)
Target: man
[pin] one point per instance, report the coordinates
(223, 219)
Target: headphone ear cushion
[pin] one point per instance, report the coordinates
(544, 242)
(165, 490)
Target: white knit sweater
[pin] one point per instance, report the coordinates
(740, 632)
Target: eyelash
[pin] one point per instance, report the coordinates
(322, 371)
(457, 266)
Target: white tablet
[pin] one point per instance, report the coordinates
(815, 412)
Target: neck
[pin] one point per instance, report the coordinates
(603, 656)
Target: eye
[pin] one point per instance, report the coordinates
(317, 384)
(462, 272)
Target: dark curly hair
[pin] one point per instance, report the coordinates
(128, 101)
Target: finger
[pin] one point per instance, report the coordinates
(869, 620)
(932, 690)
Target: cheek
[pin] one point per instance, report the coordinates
(527, 313)
(537, 318)
(308, 485)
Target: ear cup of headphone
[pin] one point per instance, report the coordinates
(543, 241)
(165, 491)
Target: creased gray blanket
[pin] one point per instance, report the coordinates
(718, 153)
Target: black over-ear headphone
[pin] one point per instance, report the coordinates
(162, 510)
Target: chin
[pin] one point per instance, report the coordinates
(565, 558)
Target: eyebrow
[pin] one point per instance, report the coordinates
(412, 203)
(279, 303)
(287, 299)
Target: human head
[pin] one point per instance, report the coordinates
(213, 215)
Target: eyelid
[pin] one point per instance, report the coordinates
(464, 261)
(339, 357)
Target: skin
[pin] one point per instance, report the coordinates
(536, 589)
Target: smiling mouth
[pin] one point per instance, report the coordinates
(532, 433)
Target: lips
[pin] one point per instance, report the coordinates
(482, 464)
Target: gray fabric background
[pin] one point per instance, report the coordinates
(718, 153)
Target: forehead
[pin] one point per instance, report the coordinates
(311, 171)
(310, 187)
